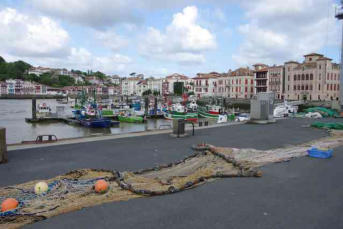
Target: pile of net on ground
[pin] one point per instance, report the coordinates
(325, 112)
(74, 190)
(328, 125)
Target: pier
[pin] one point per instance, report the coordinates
(263, 202)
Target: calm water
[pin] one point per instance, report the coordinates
(14, 112)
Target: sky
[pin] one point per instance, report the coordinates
(158, 38)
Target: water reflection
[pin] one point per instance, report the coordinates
(14, 112)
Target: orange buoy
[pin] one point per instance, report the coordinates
(9, 204)
(101, 186)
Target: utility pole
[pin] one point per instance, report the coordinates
(339, 16)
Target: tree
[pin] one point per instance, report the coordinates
(178, 88)
(2, 60)
(147, 92)
(156, 93)
(132, 74)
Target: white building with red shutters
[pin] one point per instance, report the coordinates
(211, 85)
(241, 83)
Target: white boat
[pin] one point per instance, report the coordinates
(284, 110)
(43, 110)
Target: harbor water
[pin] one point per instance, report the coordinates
(13, 113)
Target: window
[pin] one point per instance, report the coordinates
(302, 87)
(288, 88)
(302, 77)
(246, 81)
(246, 89)
(307, 77)
(306, 87)
(295, 77)
(252, 81)
(289, 78)
(319, 87)
(295, 88)
(311, 76)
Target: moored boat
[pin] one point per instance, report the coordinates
(210, 111)
(178, 112)
(130, 119)
(96, 123)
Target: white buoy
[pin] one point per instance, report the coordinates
(41, 187)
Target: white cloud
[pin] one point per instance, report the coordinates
(184, 41)
(26, 35)
(106, 13)
(111, 40)
(93, 13)
(82, 59)
(278, 31)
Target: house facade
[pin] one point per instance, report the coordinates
(317, 78)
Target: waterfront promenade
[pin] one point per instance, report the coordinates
(302, 193)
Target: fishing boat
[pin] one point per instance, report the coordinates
(210, 111)
(129, 116)
(96, 123)
(43, 110)
(130, 119)
(178, 112)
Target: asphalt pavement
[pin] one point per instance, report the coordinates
(302, 193)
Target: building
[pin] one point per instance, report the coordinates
(93, 80)
(241, 83)
(261, 78)
(174, 78)
(130, 85)
(155, 84)
(207, 84)
(39, 70)
(115, 79)
(276, 81)
(269, 79)
(317, 78)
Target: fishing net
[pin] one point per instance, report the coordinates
(74, 190)
(323, 125)
(325, 112)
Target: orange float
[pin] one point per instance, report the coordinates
(101, 186)
(9, 204)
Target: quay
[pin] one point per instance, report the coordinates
(302, 193)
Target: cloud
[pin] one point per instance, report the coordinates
(184, 41)
(82, 59)
(93, 13)
(111, 40)
(278, 31)
(101, 14)
(31, 36)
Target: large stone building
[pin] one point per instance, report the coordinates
(317, 78)
(241, 83)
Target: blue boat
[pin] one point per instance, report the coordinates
(96, 123)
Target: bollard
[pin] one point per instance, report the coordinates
(3, 146)
(34, 107)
